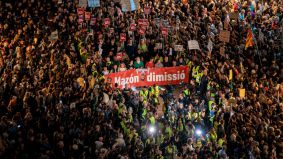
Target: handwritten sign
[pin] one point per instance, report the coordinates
(93, 3)
(224, 36)
(193, 45)
(178, 48)
(83, 3)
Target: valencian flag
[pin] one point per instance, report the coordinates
(249, 40)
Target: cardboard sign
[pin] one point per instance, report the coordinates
(224, 36)
(122, 37)
(87, 15)
(147, 10)
(83, 3)
(210, 45)
(80, 11)
(158, 45)
(54, 35)
(164, 31)
(106, 22)
(242, 93)
(132, 27)
(193, 45)
(93, 21)
(178, 48)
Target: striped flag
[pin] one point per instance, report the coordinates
(249, 39)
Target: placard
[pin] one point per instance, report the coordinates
(122, 37)
(93, 3)
(106, 22)
(224, 36)
(242, 93)
(83, 3)
(178, 48)
(147, 10)
(54, 35)
(142, 31)
(132, 27)
(158, 45)
(210, 45)
(193, 45)
(230, 75)
(130, 5)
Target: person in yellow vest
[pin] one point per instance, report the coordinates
(199, 76)
(195, 71)
(154, 90)
(170, 151)
(151, 119)
(144, 93)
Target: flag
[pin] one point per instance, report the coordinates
(249, 40)
(230, 75)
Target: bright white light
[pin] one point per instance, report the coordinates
(151, 129)
(198, 132)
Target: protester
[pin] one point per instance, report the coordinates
(57, 102)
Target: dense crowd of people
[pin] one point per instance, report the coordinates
(46, 112)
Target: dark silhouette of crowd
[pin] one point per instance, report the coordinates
(56, 103)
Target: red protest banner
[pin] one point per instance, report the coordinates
(149, 77)
(147, 10)
(87, 15)
(122, 37)
(106, 22)
(132, 27)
